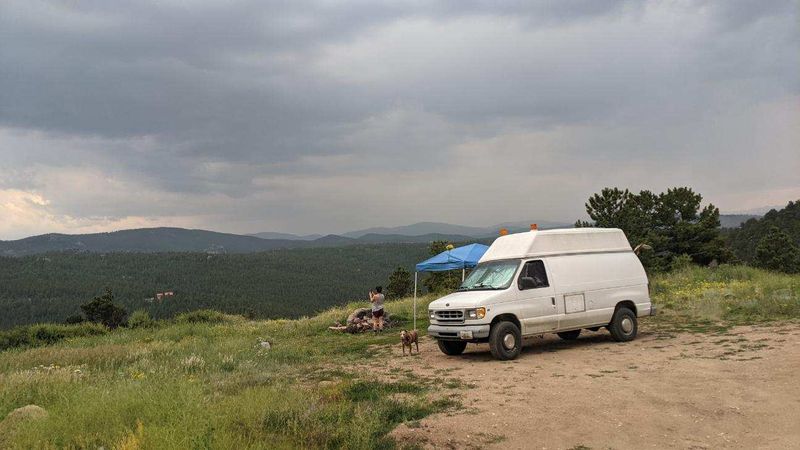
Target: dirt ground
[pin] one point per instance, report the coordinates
(738, 388)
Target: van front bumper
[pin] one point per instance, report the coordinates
(459, 332)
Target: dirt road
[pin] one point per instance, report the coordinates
(734, 389)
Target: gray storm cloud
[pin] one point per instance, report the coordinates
(321, 117)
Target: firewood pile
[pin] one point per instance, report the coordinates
(360, 321)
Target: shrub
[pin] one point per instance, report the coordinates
(103, 310)
(777, 252)
(15, 337)
(46, 334)
(681, 262)
(201, 316)
(140, 319)
(73, 319)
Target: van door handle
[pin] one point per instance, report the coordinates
(553, 299)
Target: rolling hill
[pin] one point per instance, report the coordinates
(142, 240)
(165, 239)
(735, 220)
(424, 228)
(287, 236)
(159, 240)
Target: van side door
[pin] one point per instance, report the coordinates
(537, 301)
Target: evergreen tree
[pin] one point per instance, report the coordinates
(672, 223)
(744, 239)
(400, 284)
(776, 251)
(103, 310)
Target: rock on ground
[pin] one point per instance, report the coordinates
(29, 412)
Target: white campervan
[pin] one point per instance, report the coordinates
(551, 281)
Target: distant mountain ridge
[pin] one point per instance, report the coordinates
(734, 220)
(422, 228)
(287, 236)
(165, 239)
(141, 240)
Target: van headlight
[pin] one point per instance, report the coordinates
(431, 314)
(477, 313)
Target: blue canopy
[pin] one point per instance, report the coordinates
(465, 257)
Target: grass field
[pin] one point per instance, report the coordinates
(699, 298)
(207, 383)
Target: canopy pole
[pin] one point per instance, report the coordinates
(415, 299)
(463, 271)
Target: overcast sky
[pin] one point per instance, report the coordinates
(303, 116)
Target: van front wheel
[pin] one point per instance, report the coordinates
(505, 341)
(452, 348)
(623, 326)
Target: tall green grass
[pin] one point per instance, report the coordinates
(736, 294)
(204, 381)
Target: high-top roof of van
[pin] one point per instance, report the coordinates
(557, 242)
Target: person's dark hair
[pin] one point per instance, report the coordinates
(378, 289)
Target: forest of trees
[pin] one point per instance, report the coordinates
(279, 283)
(771, 242)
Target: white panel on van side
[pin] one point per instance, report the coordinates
(574, 303)
(592, 272)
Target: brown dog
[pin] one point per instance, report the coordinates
(407, 338)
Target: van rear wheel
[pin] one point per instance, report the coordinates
(569, 335)
(505, 341)
(452, 348)
(623, 326)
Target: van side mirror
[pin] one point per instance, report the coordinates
(527, 283)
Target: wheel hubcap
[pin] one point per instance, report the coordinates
(627, 325)
(509, 341)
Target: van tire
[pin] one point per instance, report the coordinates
(502, 335)
(569, 335)
(623, 326)
(452, 348)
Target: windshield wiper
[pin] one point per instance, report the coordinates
(481, 286)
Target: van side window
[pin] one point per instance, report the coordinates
(534, 274)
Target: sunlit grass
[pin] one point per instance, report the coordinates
(203, 381)
(733, 294)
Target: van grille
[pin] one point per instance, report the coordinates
(450, 316)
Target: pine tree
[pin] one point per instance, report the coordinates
(400, 284)
(777, 252)
(671, 223)
(103, 310)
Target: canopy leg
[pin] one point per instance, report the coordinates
(415, 300)
(463, 272)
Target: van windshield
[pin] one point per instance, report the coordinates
(490, 275)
